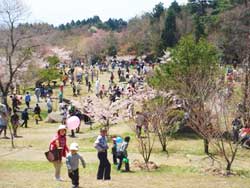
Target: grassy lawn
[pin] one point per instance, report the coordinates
(184, 166)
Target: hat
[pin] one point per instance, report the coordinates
(103, 129)
(61, 127)
(74, 146)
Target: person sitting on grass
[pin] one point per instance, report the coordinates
(122, 154)
(72, 162)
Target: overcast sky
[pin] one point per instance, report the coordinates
(62, 11)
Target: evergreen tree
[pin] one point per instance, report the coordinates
(169, 38)
(158, 10)
(175, 7)
(199, 28)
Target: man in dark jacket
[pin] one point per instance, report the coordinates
(37, 111)
(25, 118)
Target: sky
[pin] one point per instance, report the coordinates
(61, 11)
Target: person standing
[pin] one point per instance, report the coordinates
(86, 76)
(102, 147)
(236, 126)
(89, 87)
(78, 88)
(3, 119)
(38, 94)
(92, 75)
(59, 143)
(49, 105)
(14, 119)
(112, 77)
(139, 119)
(97, 88)
(14, 102)
(27, 99)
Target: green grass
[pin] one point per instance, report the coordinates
(25, 166)
(177, 170)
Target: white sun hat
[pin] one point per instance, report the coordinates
(74, 146)
(61, 127)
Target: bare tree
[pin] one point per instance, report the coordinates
(163, 113)
(14, 50)
(226, 148)
(145, 141)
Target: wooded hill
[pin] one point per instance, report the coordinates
(224, 22)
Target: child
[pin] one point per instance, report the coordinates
(72, 162)
(122, 154)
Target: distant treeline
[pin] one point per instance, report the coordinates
(110, 24)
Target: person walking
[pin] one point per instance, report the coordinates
(72, 162)
(59, 143)
(37, 113)
(102, 147)
(122, 154)
(25, 118)
(27, 99)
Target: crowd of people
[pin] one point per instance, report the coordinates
(125, 79)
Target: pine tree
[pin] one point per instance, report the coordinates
(169, 38)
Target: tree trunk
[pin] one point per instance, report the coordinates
(4, 99)
(164, 147)
(228, 168)
(206, 146)
(11, 135)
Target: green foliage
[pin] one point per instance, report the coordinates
(199, 6)
(169, 37)
(110, 24)
(53, 60)
(175, 7)
(115, 24)
(191, 62)
(221, 6)
(112, 45)
(49, 74)
(199, 28)
(158, 11)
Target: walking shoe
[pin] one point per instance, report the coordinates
(59, 179)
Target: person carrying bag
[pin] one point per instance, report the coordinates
(58, 149)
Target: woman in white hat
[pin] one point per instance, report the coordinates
(59, 143)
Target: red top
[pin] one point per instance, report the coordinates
(62, 143)
(246, 130)
(61, 88)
